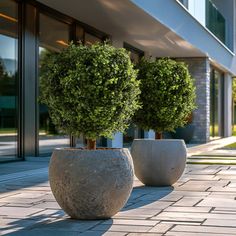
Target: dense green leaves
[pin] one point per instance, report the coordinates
(167, 95)
(90, 90)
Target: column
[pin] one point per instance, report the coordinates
(227, 105)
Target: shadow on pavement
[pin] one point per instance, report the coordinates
(56, 223)
(144, 195)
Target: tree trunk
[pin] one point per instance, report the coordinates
(72, 141)
(158, 135)
(91, 144)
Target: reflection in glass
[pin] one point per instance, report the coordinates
(79, 34)
(53, 37)
(8, 78)
(90, 39)
(133, 132)
(215, 21)
(216, 104)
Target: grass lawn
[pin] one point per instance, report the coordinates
(234, 130)
(230, 146)
(7, 131)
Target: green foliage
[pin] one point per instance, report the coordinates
(234, 91)
(90, 90)
(167, 94)
(7, 82)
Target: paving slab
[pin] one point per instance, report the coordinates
(204, 229)
(161, 228)
(171, 233)
(130, 222)
(17, 211)
(188, 209)
(124, 228)
(188, 201)
(222, 222)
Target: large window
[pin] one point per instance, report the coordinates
(8, 78)
(25, 126)
(53, 36)
(215, 21)
(133, 132)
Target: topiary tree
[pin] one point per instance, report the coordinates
(167, 95)
(90, 90)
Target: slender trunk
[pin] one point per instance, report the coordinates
(72, 141)
(158, 135)
(91, 144)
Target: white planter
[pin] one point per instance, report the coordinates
(158, 162)
(91, 184)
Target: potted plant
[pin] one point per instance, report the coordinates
(167, 96)
(91, 91)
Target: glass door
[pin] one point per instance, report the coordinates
(53, 37)
(133, 132)
(8, 78)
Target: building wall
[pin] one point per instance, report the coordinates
(200, 70)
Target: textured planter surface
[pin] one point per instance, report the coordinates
(91, 184)
(158, 162)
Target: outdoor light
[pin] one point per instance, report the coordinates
(8, 17)
(62, 43)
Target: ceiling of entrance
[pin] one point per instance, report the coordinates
(124, 21)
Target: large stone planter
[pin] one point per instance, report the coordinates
(91, 184)
(158, 162)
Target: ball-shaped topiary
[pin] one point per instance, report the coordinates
(167, 94)
(90, 90)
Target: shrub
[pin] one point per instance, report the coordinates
(167, 95)
(90, 90)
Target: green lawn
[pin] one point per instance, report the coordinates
(231, 146)
(234, 130)
(7, 131)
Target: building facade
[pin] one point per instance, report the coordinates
(198, 32)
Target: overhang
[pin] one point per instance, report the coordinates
(160, 28)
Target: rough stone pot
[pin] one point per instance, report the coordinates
(158, 162)
(91, 184)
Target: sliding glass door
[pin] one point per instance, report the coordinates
(8, 78)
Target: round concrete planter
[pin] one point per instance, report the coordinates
(91, 184)
(158, 162)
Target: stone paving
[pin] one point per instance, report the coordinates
(201, 203)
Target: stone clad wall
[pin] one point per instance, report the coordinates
(200, 70)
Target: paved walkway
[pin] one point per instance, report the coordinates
(201, 203)
(212, 152)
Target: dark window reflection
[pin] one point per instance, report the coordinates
(133, 132)
(90, 39)
(8, 78)
(53, 36)
(216, 104)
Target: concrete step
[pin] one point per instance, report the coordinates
(220, 160)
